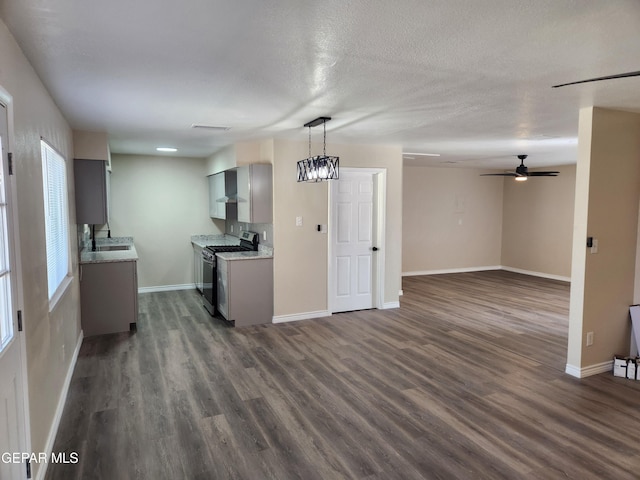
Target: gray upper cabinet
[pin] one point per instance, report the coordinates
(222, 195)
(255, 193)
(216, 191)
(92, 191)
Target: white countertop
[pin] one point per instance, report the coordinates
(129, 255)
(208, 240)
(244, 255)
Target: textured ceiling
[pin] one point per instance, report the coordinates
(470, 80)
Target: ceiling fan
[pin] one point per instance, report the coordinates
(522, 172)
(598, 79)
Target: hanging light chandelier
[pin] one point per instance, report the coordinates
(320, 167)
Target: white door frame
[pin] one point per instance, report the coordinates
(16, 261)
(379, 214)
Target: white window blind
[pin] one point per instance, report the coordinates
(54, 174)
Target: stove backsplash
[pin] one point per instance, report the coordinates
(233, 227)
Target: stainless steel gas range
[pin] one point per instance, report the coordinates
(248, 242)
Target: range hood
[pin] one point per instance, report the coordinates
(230, 198)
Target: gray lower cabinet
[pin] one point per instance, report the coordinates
(108, 297)
(245, 290)
(197, 267)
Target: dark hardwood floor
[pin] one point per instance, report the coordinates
(464, 381)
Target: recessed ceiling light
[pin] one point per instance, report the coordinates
(166, 149)
(422, 154)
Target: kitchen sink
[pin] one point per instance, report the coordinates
(111, 248)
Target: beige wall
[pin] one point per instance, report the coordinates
(161, 201)
(50, 337)
(300, 263)
(91, 145)
(537, 225)
(456, 220)
(606, 203)
(222, 160)
(452, 219)
(240, 153)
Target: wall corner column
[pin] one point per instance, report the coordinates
(606, 208)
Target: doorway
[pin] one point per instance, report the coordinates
(356, 240)
(13, 411)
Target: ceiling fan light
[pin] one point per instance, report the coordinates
(521, 179)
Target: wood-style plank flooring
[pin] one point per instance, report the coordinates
(464, 381)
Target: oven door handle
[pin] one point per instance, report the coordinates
(207, 261)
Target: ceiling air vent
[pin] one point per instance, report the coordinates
(214, 128)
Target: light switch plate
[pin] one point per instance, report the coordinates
(298, 221)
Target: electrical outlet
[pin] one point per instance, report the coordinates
(264, 235)
(298, 221)
(231, 228)
(594, 245)
(589, 339)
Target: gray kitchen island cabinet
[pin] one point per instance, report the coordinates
(245, 289)
(109, 297)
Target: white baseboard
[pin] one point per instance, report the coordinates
(388, 305)
(484, 269)
(451, 270)
(301, 316)
(167, 288)
(590, 370)
(42, 467)
(537, 274)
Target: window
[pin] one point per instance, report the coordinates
(6, 320)
(54, 175)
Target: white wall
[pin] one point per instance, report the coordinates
(452, 220)
(51, 337)
(161, 201)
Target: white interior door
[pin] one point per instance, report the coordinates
(352, 241)
(12, 414)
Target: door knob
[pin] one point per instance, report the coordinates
(375, 249)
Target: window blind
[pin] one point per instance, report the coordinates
(56, 217)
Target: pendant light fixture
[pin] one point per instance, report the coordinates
(320, 167)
